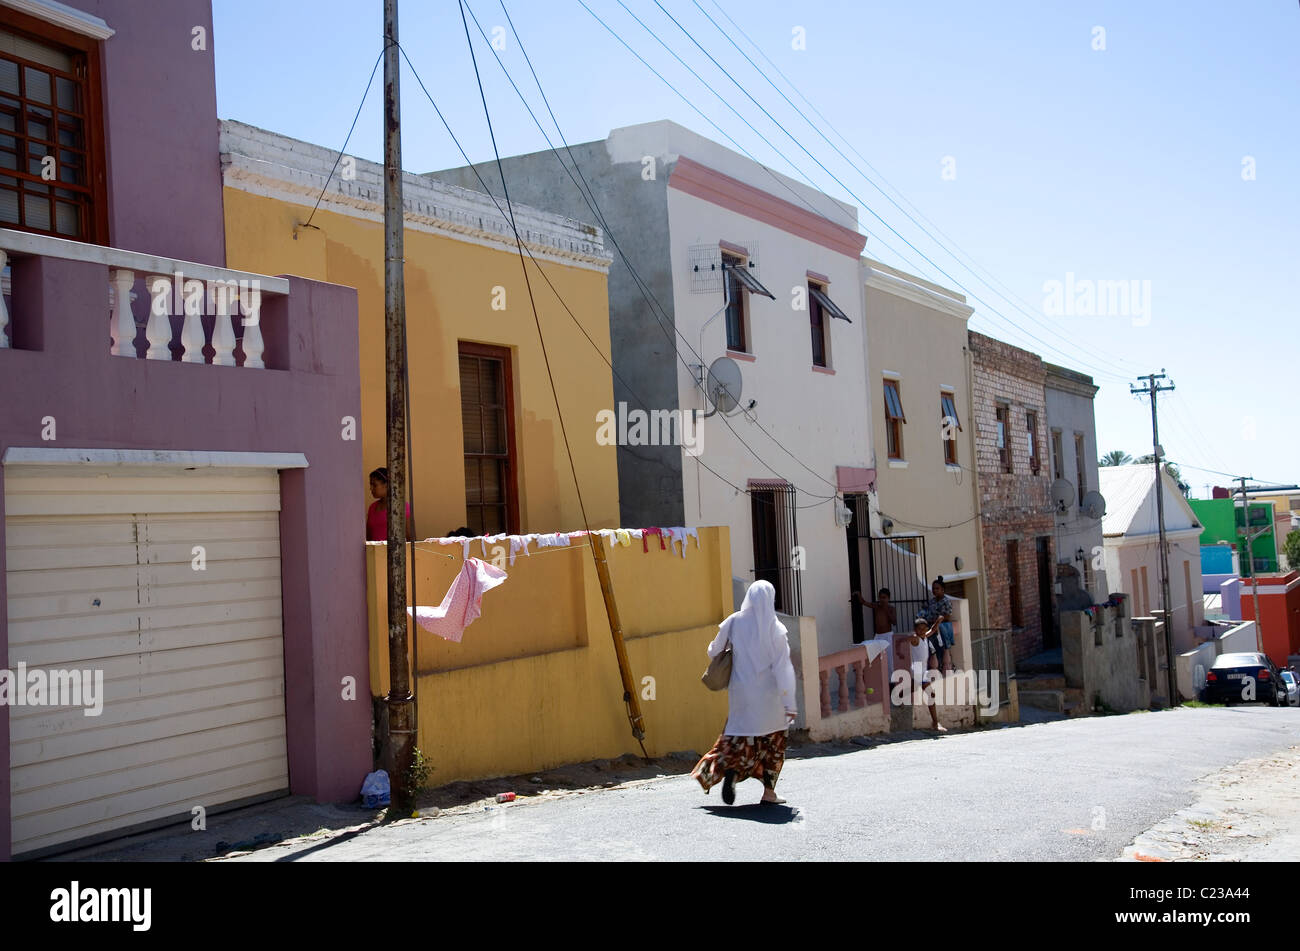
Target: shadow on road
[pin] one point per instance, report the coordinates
(756, 812)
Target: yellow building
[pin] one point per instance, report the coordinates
(487, 450)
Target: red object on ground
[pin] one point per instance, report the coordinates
(505, 797)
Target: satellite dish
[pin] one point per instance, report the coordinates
(886, 525)
(723, 385)
(1094, 504)
(1062, 495)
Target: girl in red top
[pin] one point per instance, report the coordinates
(377, 515)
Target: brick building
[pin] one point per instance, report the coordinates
(1009, 407)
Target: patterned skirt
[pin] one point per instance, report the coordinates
(749, 757)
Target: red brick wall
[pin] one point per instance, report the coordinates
(1016, 505)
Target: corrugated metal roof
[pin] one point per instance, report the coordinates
(1131, 502)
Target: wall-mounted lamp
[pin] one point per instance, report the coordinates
(1080, 555)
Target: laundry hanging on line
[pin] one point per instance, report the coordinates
(462, 603)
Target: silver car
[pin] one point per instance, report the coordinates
(1292, 688)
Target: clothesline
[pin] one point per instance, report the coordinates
(668, 537)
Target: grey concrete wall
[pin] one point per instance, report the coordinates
(1109, 669)
(644, 346)
(1073, 413)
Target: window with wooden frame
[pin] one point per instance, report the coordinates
(950, 425)
(894, 419)
(1003, 416)
(1031, 428)
(817, 322)
(1080, 470)
(737, 337)
(1013, 583)
(52, 168)
(487, 420)
(1058, 456)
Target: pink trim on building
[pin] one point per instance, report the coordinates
(826, 370)
(737, 355)
(734, 248)
(726, 192)
(819, 278)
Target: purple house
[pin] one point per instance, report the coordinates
(183, 625)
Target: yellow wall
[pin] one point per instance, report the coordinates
(535, 682)
(449, 288)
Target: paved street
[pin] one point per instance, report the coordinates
(1075, 790)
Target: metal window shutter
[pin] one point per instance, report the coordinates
(193, 660)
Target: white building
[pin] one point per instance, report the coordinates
(1131, 536)
(730, 260)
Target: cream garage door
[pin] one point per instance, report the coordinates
(167, 581)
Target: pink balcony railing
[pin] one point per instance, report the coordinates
(159, 308)
(856, 676)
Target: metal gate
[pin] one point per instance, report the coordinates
(896, 562)
(777, 556)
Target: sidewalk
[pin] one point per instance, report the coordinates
(1248, 812)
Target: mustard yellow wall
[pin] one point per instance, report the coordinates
(449, 288)
(498, 703)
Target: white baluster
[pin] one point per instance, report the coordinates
(4, 311)
(192, 328)
(121, 324)
(223, 339)
(253, 345)
(159, 328)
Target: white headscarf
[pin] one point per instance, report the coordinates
(758, 640)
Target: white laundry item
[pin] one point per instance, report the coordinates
(518, 543)
(877, 646)
(553, 540)
(680, 534)
(761, 690)
(695, 534)
(637, 533)
(464, 544)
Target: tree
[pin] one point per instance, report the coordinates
(1291, 548)
(1116, 457)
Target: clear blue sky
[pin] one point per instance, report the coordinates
(1115, 164)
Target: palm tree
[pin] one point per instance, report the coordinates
(1174, 474)
(1116, 457)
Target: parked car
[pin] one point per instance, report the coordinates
(1245, 678)
(1292, 687)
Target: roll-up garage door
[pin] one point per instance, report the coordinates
(168, 581)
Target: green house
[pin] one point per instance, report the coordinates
(1225, 522)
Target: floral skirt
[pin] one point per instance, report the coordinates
(759, 757)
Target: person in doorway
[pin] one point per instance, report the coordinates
(760, 699)
(377, 514)
(884, 615)
(938, 614)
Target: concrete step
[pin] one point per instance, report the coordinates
(1042, 682)
(1053, 700)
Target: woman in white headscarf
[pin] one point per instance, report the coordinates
(761, 700)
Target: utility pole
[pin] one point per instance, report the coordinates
(1248, 553)
(1151, 389)
(401, 703)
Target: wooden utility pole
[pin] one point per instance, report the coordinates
(401, 702)
(630, 698)
(1248, 555)
(1151, 389)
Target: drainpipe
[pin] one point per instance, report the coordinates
(975, 484)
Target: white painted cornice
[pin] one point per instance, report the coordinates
(275, 166)
(899, 287)
(62, 15)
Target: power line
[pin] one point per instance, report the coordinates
(365, 95)
(857, 225)
(973, 267)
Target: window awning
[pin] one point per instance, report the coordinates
(950, 408)
(828, 305)
(747, 280)
(893, 402)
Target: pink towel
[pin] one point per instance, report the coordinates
(460, 605)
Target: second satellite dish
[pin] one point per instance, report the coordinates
(1094, 504)
(723, 385)
(1062, 495)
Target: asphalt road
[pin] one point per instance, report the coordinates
(1074, 790)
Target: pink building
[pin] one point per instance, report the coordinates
(182, 570)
